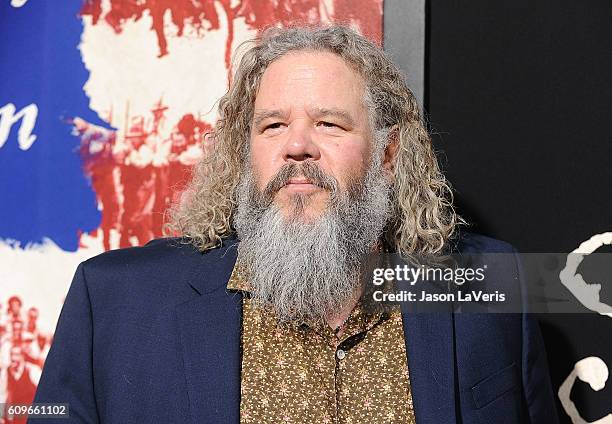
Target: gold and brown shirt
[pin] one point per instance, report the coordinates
(308, 374)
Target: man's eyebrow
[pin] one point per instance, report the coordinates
(261, 115)
(337, 112)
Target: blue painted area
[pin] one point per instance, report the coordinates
(43, 191)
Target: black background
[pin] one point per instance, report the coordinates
(519, 97)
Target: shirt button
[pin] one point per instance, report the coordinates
(340, 354)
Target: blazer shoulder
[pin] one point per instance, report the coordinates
(158, 252)
(153, 251)
(157, 267)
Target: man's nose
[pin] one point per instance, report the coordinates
(300, 145)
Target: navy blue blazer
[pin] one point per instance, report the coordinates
(151, 334)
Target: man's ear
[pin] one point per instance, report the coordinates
(390, 154)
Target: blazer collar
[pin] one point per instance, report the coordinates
(214, 267)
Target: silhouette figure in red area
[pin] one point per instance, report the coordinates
(99, 164)
(138, 183)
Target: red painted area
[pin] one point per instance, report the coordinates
(367, 17)
(137, 177)
(203, 16)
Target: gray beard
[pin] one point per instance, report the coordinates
(309, 271)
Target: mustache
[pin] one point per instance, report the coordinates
(307, 169)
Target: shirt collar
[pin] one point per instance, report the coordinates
(359, 321)
(238, 280)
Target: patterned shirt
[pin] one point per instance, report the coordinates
(307, 374)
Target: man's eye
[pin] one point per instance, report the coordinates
(328, 124)
(273, 126)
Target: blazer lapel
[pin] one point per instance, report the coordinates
(431, 364)
(209, 330)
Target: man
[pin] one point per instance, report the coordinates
(319, 157)
(13, 311)
(22, 378)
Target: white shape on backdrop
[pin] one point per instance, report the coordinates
(591, 370)
(18, 3)
(586, 293)
(8, 118)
